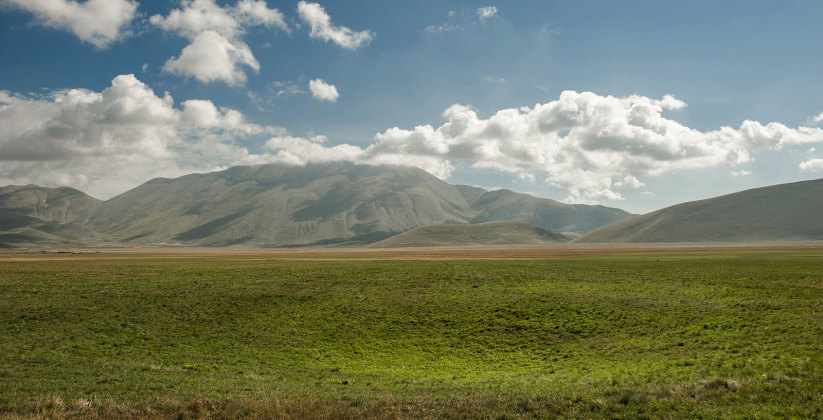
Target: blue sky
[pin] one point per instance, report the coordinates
(632, 104)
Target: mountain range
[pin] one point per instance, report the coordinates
(278, 205)
(381, 206)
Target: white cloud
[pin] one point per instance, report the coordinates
(253, 13)
(485, 13)
(319, 21)
(323, 91)
(433, 29)
(98, 22)
(741, 172)
(211, 57)
(265, 98)
(107, 141)
(812, 165)
(629, 181)
(670, 102)
(466, 20)
(587, 144)
(819, 118)
(590, 145)
(217, 51)
(497, 80)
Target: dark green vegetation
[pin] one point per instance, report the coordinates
(720, 334)
(787, 212)
(277, 205)
(489, 233)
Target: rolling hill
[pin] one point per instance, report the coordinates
(568, 219)
(488, 233)
(316, 204)
(32, 215)
(786, 212)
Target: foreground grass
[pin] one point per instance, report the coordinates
(731, 334)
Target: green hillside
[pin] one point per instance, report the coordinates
(489, 233)
(787, 212)
(31, 215)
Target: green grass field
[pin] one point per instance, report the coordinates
(732, 334)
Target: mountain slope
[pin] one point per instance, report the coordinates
(569, 219)
(489, 233)
(31, 214)
(277, 204)
(787, 212)
(281, 205)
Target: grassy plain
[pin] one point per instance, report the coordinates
(557, 331)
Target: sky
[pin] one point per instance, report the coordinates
(630, 104)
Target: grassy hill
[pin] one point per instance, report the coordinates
(787, 212)
(31, 215)
(569, 219)
(489, 233)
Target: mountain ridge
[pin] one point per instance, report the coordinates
(321, 204)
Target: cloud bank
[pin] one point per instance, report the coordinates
(216, 51)
(98, 22)
(592, 146)
(114, 139)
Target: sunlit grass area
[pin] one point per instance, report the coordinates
(683, 334)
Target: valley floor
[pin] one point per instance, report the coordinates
(581, 331)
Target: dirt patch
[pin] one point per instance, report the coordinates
(503, 252)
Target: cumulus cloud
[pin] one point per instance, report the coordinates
(216, 51)
(323, 91)
(485, 13)
(98, 22)
(110, 140)
(254, 13)
(212, 57)
(590, 145)
(314, 15)
(812, 165)
(819, 118)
